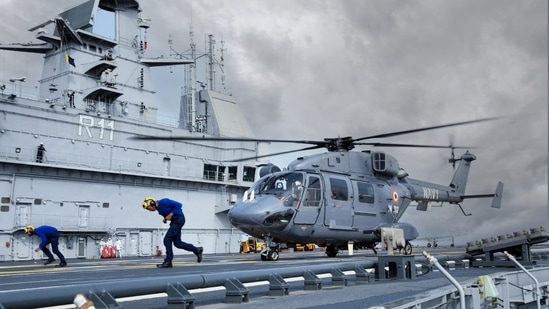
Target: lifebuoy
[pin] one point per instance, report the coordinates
(396, 197)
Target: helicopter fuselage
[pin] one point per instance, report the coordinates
(331, 199)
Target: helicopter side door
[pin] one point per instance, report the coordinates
(366, 214)
(309, 207)
(339, 204)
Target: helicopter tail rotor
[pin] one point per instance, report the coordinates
(452, 158)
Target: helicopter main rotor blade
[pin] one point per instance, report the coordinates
(413, 145)
(425, 129)
(332, 144)
(276, 154)
(224, 139)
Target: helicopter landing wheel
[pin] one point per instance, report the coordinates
(272, 255)
(408, 248)
(270, 252)
(331, 251)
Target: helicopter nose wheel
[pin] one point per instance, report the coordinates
(270, 255)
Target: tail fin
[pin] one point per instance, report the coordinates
(459, 181)
(496, 201)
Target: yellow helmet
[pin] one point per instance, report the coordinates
(29, 229)
(148, 201)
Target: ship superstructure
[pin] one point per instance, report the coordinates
(95, 93)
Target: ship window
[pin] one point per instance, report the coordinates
(210, 171)
(365, 192)
(93, 48)
(221, 173)
(339, 189)
(5, 200)
(105, 205)
(248, 174)
(37, 201)
(4, 208)
(232, 172)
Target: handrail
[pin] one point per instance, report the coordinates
(60, 295)
(459, 288)
(536, 282)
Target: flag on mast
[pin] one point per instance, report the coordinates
(70, 60)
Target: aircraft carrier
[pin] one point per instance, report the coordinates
(90, 177)
(95, 93)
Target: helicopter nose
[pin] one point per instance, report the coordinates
(255, 213)
(251, 213)
(243, 214)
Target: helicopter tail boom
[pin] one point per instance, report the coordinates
(425, 192)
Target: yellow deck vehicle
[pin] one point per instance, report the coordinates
(305, 247)
(252, 245)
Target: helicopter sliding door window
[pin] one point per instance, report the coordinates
(365, 192)
(340, 191)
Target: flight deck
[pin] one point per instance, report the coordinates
(333, 287)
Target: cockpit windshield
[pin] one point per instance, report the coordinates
(288, 187)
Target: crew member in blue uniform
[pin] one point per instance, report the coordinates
(48, 235)
(172, 211)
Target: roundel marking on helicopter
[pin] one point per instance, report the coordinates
(396, 197)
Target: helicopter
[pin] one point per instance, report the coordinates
(342, 196)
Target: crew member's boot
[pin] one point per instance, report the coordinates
(165, 265)
(199, 254)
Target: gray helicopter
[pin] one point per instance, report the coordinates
(342, 196)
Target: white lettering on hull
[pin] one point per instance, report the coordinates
(86, 125)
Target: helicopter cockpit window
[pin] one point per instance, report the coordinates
(280, 184)
(288, 187)
(313, 193)
(365, 192)
(340, 191)
(260, 185)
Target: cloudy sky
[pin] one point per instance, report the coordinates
(325, 68)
